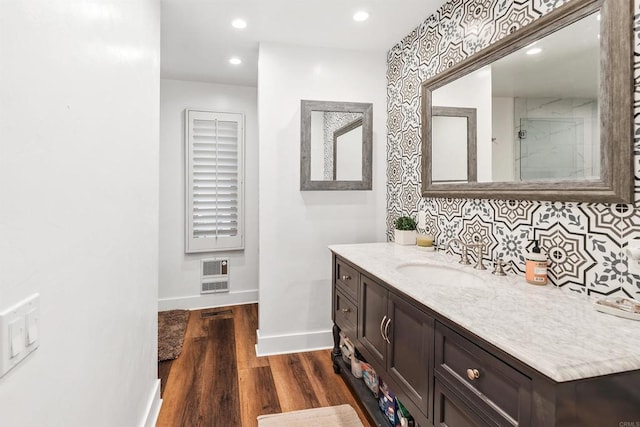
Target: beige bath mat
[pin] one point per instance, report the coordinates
(332, 416)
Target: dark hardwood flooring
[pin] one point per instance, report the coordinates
(218, 381)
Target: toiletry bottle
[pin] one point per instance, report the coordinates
(536, 266)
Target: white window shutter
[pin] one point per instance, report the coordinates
(215, 181)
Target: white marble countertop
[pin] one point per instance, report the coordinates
(556, 332)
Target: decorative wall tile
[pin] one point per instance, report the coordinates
(514, 213)
(479, 231)
(510, 245)
(620, 221)
(478, 207)
(568, 257)
(517, 16)
(585, 241)
(553, 212)
(612, 276)
(450, 209)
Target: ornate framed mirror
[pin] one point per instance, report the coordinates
(554, 110)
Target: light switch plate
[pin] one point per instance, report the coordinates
(14, 345)
(16, 337)
(31, 327)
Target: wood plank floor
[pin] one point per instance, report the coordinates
(219, 381)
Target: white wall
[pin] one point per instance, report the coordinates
(502, 152)
(79, 103)
(296, 226)
(180, 272)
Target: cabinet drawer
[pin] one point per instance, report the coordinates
(502, 393)
(450, 411)
(345, 315)
(347, 279)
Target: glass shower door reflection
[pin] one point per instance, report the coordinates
(551, 148)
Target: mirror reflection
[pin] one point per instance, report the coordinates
(336, 146)
(537, 111)
(454, 159)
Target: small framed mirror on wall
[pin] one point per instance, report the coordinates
(335, 145)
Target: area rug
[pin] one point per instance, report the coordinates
(332, 416)
(171, 327)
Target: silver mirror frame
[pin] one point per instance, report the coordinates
(616, 183)
(308, 106)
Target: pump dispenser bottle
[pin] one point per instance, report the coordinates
(536, 266)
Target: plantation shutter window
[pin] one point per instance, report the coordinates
(215, 160)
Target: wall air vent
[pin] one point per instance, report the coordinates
(214, 287)
(214, 275)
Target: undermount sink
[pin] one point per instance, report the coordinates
(439, 274)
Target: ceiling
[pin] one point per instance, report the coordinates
(198, 39)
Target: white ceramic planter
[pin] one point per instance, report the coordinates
(405, 237)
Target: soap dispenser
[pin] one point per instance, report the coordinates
(536, 266)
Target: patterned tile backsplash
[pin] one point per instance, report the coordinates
(584, 241)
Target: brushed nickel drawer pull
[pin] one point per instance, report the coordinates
(345, 310)
(346, 277)
(473, 374)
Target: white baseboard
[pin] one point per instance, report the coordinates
(153, 407)
(197, 302)
(293, 343)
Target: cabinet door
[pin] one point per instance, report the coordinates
(409, 360)
(372, 313)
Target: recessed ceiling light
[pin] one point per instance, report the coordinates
(235, 61)
(239, 23)
(534, 51)
(360, 16)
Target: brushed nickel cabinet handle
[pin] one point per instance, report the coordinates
(381, 331)
(386, 331)
(473, 374)
(345, 310)
(346, 277)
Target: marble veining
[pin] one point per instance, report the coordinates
(556, 332)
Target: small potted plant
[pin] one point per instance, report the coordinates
(405, 231)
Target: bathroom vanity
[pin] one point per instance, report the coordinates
(461, 347)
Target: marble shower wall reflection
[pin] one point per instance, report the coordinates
(584, 241)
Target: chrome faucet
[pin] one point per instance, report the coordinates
(464, 256)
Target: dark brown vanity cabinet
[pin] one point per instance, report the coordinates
(397, 339)
(447, 376)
